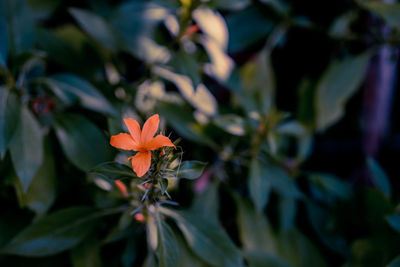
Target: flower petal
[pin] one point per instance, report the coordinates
(123, 141)
(158, 141)
(149, 129)
(134, 129)
(141, 163)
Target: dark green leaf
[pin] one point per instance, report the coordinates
(96, 26)
(327, 187)
(259, 187)
(287, 209)
(55, 233)
(395, 262)
(191, 169)
(256, 28)
(42, 191)
(9, 118)
(113, 171)
(336, 86)
(70, 87)
(394, 221)
(390, 12)
(207, 240)
(231, 123)
(43, 9)
(26, 148)
(86, 254)
(3, 42)
(20, 25)
(82, 142)
(167, 246)
(379, 177)
(254, 229)
(266, 176)
(206, 204)
(260, 259)
(163, 183)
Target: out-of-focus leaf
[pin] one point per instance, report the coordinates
(187, 64)
(260, 259)
(55, 233)
(181, 119)
(212, 24)
(70, 88)
(287, 213)
(327, 187)
(208, 241)
(97, 27)
(152, 232)
(395, 262)
(42, 9)
(86, 254)
(336, 86)
(266, 176)
(320, 219)
(41, 192)
(191, 169)
(377, 208)
(9, 118)
(3, 42)
(379, 177)
(26, 148)
(254, 230)
(135, 23)
(186, 256)
(390, 12)
(231, 4)
(200, 98)
(129, 254)
(82, 142)
(113, 171)
(394, 222)
(258, 80)
(167, 246)
(206, 204)
(243, 35)
(20, 24)
(297, 249)
(259, 187)
(231, 123)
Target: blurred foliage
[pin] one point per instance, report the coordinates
(275, 104)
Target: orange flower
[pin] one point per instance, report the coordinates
(142, 141)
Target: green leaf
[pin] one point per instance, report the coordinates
(206, 204)
(82, 142)
(163, 183)
(255, 231)
(395, 262)
(181, 119)
(86, 254)
(379, 177)
(287, 213)
(167, 246)
(191, 169)
(41, 192)
(3, 42)
(207, 240)
(336, 86)
(43, 9)
(69, 88)
(9, 118)
(390, 12)
(260, 259)
(55, 233)
(327, 187)
(259, 187)
(26, 148)
(113, 171)
(97, 27)
(266, 176)
(394, 221)
(19, 23)
(231, 123)
(242, 35)
(199, 97)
